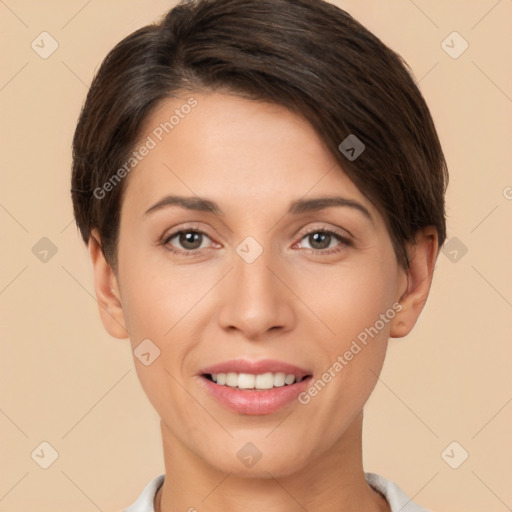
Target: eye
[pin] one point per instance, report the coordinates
(190, 242)
(324, 241)
(186, 241)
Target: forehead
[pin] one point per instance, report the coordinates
(233, 148)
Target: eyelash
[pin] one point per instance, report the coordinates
(344, 242)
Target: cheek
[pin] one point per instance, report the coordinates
(151, 298)
(358, 308)
(351, 298)
(160, 309)
(356, 304)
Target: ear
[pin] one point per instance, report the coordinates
(107, 290)
(422, 254)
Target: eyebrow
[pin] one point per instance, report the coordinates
(297, 207)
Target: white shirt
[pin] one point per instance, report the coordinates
(397, 499)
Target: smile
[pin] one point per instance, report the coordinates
(249, 381)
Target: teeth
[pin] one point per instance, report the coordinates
(267, 380)
(289, 379)
(263, 381)
(232, 379)
(246, 380)
(280, 379)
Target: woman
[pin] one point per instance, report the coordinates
(261, 189)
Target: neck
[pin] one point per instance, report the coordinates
(332, 482)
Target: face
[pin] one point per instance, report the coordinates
(253, 265)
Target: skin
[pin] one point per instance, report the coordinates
(293, 303)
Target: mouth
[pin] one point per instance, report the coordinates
(255, 388)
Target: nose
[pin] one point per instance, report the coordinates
(255, 299)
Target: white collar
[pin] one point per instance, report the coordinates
(397, 499)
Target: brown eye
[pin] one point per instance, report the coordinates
(190, 240)
(186, 241)
(324, 241)
(319, 240)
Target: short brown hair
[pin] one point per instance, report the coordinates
(306, 55)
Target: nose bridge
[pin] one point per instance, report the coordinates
(255, 275)
(254, 300)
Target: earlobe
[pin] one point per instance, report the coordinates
(422, 255)
(107, 290)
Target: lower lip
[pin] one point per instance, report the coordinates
(255, 402)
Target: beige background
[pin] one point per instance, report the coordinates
(66, 382)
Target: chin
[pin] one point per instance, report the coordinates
(251, 462)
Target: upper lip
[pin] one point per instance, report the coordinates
(256, 367)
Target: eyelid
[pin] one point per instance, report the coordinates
(176, 230)
(344, 235)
